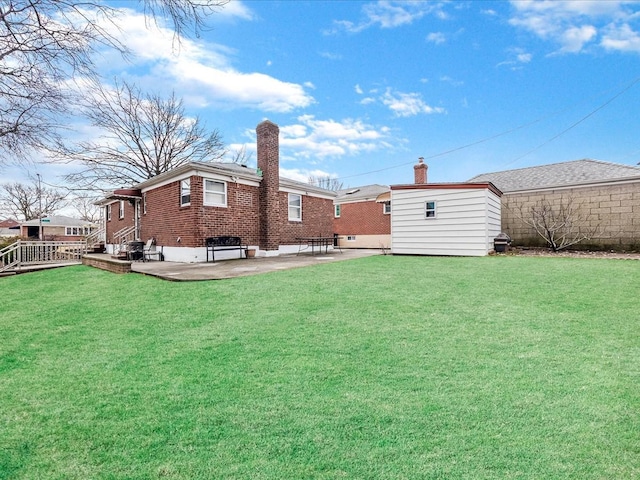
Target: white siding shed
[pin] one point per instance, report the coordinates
(444, 219)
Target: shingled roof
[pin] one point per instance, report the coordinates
(577, 172)
(364, 193)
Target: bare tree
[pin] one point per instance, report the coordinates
(562, 224)
(86, 208)
(143, 136)
(24, 200)
(44, 43)
(326, 182)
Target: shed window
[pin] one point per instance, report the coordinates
(336, 209)
(185, 192)
(386, 208)
(215, 193)
(295, 207)
(430, 209)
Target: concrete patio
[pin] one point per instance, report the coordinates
(242, 267)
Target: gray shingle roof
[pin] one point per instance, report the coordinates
(58, 221)
(368, 192)
(577, 172)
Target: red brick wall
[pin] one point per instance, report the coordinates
(317, 216)
(362, 218)
(116, 224)
(166, 220)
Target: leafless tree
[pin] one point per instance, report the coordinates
(561, 224)
(327, 182)
(143, 136)
(23, 201)
(86, 208)
(45, 43)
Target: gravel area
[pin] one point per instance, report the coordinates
(574, 253)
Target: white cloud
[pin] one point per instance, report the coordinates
(407, 104)
(436, 37)
(202, 70)
(313, 138)
(358, 90)
(303, 175)
(389, 14)
(575, 25)
(622, 38)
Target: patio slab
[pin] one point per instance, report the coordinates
(178, 272)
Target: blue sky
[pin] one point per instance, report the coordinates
(361, 89)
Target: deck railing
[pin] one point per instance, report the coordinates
(25, 253)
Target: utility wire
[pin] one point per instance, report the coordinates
(506, 132)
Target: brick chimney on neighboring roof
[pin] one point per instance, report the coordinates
(420, 172)
(268, 146)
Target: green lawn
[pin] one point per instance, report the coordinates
(378, 368)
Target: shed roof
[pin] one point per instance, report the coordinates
(577, 172)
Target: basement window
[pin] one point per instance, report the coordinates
(430, 209)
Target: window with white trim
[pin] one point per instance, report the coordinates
(430, 209)
(351, 238)
(185, 192)
(121, 210)
(144, 203)
(295, 207)
(215, 193)
(386, 208)
(336, 211)
(108, 213)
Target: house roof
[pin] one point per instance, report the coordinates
(449, 186)
(8, 223)
(360, 194)
(577, 172)
(228, 169)
(57, 221)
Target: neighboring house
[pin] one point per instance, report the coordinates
(444, 218)
(183, 207)
(606, 196)
(9, 228)
(56, 227)
(362, 217)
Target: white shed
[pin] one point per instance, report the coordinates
(444, 219)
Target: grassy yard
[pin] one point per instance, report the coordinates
(378, 368)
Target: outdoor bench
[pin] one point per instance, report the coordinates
(214, 244)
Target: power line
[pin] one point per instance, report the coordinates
(506, 132)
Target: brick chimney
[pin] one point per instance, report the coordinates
(420, 172)
(269, 162)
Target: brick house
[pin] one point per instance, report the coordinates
(362, 217)
(606, 196)
(182, 207)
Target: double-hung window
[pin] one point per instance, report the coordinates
(430, 209)
(215, 193)
(295, 207)
(108, 214)
(121, 210)
(185, 192)
(336, 212)
(386, 209)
